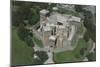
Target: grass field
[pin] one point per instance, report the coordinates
(21, 53)
(71, 56)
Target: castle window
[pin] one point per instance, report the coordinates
(59, 23)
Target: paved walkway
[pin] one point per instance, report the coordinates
(50, 58)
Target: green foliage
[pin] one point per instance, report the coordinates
(91, 56)
(88, 14)
(23, 12)
(34, 19)
(82, 51)
(16, 18)
(69, 12)
(25, 35)
(37, 62)
(50, 6)
(27, 11)
(78, 8)
(29, 41)
(23, 32)
(42, 57)
(88, 23)
(86, 36)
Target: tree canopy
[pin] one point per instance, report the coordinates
(42, 57)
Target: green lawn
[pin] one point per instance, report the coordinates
(70, 56)
(21, 53)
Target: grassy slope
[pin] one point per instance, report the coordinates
(21, 53)
(70, 56)
(38, 41)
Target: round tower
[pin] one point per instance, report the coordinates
(43, 14)
(43, 17)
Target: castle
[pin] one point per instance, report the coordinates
(58, 30)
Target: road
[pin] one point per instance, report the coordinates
(50, 58)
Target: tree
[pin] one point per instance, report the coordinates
(88, 23)
(29, 41)
(25, 35)
(82, 51)
(79, 8)
(42, 57)
(37, 61)
(86, 36)
(91, 56)
(23, 32)
(34, 18)
(87, 14)
(50, 6)
(23, 12)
